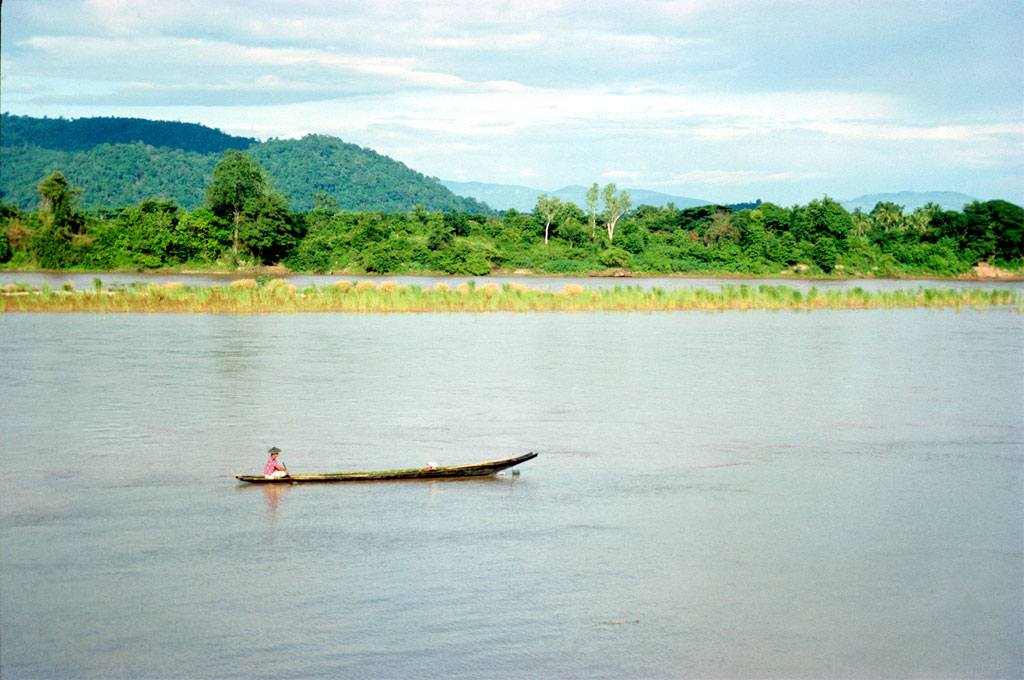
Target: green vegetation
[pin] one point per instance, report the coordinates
(247, 296)
(283, 203)
(323, 170)
(125, 161)
(80, 134)
(245, 223)
(109, 175)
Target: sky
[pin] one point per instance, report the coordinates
(721, 100)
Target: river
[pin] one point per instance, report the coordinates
(86, 280)
(741, 494)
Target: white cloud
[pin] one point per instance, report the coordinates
(176, 56)
(519, 41)
(736, 177)
(619, 176)
(896, 132)
(687, 93)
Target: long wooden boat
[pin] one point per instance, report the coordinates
(475, 470)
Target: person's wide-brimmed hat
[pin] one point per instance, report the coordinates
(273, 449)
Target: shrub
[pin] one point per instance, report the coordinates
(564, 266)
(655, 262)
(687, 264)
(573, 289)
(380, 258)
(614, 257)
(824, 255)
(365, 285)
(634, 241)
(245, 284)
(279, 287)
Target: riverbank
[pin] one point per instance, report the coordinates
(983, 271)
(248, 296)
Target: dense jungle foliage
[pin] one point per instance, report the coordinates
(245, 221)
(79, 134)
(125, 161)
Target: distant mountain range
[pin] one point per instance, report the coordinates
(524, 199)
(511, 196)
(949, 200)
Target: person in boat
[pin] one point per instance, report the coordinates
(274, 469)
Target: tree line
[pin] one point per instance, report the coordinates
(245, 221)
(80, 134)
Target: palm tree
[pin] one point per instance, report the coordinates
(888, 216)
(919, 219)
(861, 222)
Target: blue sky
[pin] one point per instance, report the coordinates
(726, 100)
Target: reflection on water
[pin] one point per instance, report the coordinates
(827, 494)
(272, 494)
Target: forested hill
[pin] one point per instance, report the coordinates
(119, 162)
(357, 178)
(61, 134)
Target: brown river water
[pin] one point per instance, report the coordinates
(741, 495)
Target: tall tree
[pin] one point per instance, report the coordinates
(238, 183)
(268, 231)
(822, 219)
(861, 221)
(615, 204)
(995, 228)
(919, 219)
(60, 219)
(887, 216)
(547, 209)
(592, 195)
(57, 199)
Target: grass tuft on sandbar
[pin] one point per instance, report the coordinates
(247, 296)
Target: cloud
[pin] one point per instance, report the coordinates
(619, 176)
(700, 93)
(736, 177)
(518, 41)
(173, 59)
(897, 132)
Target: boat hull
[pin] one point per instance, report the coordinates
(475, 470)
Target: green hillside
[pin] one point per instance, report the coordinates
(81, 134)
(123, 161)
(357, 178)
(109, 175)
